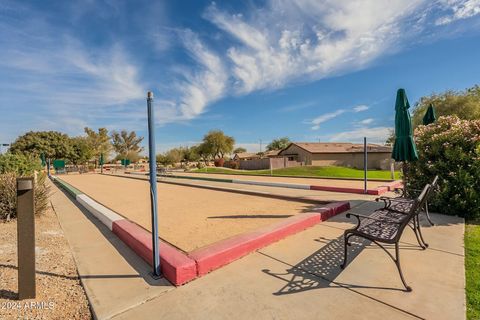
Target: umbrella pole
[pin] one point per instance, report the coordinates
(404, 178)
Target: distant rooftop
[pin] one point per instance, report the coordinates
(339, 147)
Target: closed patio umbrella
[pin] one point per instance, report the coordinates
(429, 116)
(404, 148)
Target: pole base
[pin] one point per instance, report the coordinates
(154, 276)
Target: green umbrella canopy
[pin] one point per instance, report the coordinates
(102, 161)
(429, 116)
(404, 147)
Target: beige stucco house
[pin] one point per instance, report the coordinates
(338, 154)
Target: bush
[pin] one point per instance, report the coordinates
(449, 148)
(8, 195)
(19, 163)
(219, 162)
(200, 165)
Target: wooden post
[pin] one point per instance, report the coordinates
(26, 238)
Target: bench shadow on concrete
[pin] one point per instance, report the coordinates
(142, 269)
(320, 269)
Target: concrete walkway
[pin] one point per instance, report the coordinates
(296, 278)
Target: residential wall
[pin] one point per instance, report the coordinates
(265, 163)
(376, 160)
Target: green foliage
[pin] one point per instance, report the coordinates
(464, 104)
(53, 144)
(472, 269)
(176, 155)
(311, 171)
(8, 195)
(99, 142)
(449, 148)
(81, 150)
(166, 159)
(278, 144)
(217, 143)
(191, 154)
(239, 150)
(127, 145)
(20, 164)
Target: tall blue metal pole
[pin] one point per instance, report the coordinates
(153, 184)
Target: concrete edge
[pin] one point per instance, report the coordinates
(225, 251)
(180, 268)
(176, 266)
(102, 213)
(69, 188)
(377, 191)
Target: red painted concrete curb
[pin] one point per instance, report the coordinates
(394, 184)
(376, 191)
(176, 266)
(225, 251)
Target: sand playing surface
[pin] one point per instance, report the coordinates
(189, 217)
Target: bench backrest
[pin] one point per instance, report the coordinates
(416, 207)
(435, 183)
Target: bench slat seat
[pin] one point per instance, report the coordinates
(384, 227)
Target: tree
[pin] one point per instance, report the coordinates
(239, 150)
(127, 145)
(278, 144)
(99, 142)
(165, 159)
(191, 154)
(464, 104)
(53, 144)
(204, 152)
(81, 151)
(218, 143)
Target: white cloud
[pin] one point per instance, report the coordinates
(374, 135)
(205, 84)
(361, 108)
(325, 117)
(288, 42)
(457, 10)
(366, 121)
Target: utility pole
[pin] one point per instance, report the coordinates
(260, 145)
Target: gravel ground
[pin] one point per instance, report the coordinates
(59, 292)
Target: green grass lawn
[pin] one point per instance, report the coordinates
(310, 171)
(472, 268)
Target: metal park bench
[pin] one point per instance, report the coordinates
(386, 226)
(402, 204)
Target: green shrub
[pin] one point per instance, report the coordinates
(20, 164)
(449, 148)
(8, 195)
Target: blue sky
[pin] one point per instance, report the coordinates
(310, 70)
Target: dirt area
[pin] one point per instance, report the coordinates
(189, 217)
(310, 181)
(59, 292)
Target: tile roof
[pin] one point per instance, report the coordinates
(339, 147)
